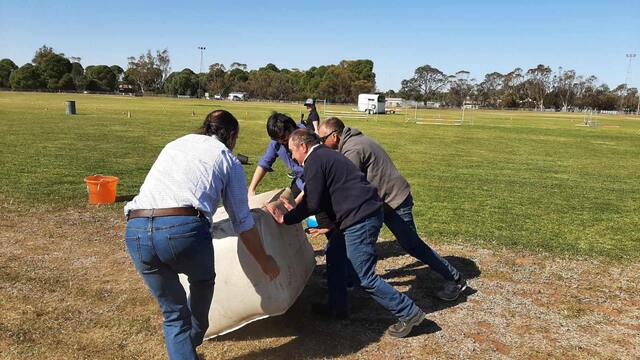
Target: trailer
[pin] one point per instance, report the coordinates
(237, 96)
(371, 103)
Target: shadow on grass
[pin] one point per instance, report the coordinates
(426, 284)
(313, 336)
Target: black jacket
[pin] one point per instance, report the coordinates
(313, 116)
(334, 185)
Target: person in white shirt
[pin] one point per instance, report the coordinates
(168, 227)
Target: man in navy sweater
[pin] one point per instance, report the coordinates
(335, 186)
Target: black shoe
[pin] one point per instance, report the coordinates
(452, 289)
(403, 328)
(291, 175)
(326, 311)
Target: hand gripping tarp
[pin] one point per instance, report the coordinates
(243, 293)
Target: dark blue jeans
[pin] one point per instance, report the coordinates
(336, 259)
(400, 222)
(360, 240)
(162, 247)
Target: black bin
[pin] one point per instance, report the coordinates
(71, 107)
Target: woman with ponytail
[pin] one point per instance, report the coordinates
(168, 226)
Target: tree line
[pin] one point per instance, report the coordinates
(536, 88)
(539, 87)
(151, 72)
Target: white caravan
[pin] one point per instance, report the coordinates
(371, 103)
(237, 96)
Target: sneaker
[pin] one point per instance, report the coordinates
(326, 311)
(403, 328)
(452, 289)
(291, 175)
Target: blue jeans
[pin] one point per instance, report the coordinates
(360, 240)
(400, 222)
(162, 247)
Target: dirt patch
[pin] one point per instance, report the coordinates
(68, 290)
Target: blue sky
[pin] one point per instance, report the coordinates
(591, 37)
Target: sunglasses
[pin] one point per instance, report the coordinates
(323, 139)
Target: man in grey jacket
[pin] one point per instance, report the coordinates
(394, 190)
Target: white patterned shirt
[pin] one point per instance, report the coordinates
(198, 171)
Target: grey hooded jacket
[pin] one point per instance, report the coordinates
(375, 163)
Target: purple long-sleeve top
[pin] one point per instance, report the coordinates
(276, 150)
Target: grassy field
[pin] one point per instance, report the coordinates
(528, 180)
(540, 215)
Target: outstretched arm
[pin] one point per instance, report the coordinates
(258, 175)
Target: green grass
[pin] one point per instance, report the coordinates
(526, 180)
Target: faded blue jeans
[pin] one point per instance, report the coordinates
(400, 222)
(162, 247)
(360, 240)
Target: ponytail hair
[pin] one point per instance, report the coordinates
(220, 123)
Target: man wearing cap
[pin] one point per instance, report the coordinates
(370, 158)
(313, 119)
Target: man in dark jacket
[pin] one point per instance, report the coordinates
(370, 158)
(334, 185)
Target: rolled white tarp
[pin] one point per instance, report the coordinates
(243, 293)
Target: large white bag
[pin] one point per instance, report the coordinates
(243, 293)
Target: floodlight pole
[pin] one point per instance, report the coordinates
(202, 49)
(627, 79)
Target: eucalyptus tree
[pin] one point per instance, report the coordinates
(538, 84)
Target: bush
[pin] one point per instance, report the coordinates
(6, 67)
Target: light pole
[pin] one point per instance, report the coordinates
(628, 79)
(202, 49)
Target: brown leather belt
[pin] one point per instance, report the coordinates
(176, 211)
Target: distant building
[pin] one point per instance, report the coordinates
(125, 89)
(468, 104)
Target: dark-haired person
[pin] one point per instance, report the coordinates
(313, 119)
(168, 227)
(334, 185)
(370, 158)
(279, 127)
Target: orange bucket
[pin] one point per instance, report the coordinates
(101, 189)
